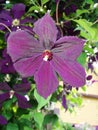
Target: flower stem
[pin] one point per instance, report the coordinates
(57, 17)
(6, 27)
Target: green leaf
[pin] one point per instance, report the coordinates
(38, 117)
(88, 49)
(82, 58)
(79, 12)
(7, 114)
(11, 126)
(50, 118)
(33, 8)
(88, 30)
(96, 44)
(41, 101)
(44, 1)
(27, 128)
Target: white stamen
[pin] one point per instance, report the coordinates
(7, 78)
(27, 97)
(46, 58)
(7, 1)
(11, 94)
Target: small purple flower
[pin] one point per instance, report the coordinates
(17, 91)
(3, 120)
(45, 56)
(13, 18)
(6, 65)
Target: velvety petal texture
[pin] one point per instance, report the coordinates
(46, 30)
(4, 97)
(46, 80)
(71, 72)
(22, 101)
(18, 10)
(3, 120)
(21, 45)
(22, 88)
(26, 67)
(68, 47)
(4, 86)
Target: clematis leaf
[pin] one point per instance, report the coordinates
(41, 101)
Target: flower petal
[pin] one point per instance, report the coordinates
(26, 67)
(22, 101)
(71, 72)
(22, 88)
(6, 19)
(4, 97)
(69, 47)
(4, 86)
(46, 29)
(64, 102)
(21, 44)
(18, 10)
(27, 20)
(46, 80)
(3, 120)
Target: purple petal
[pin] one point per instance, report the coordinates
(4, 97)
(7, 65)
(22, 101)
(4, 86)
(96, 127)
(46, 80)
(3, 120)
(64, 103)
(21, 45)
(71, 72)
(46, 29)
(27, 20)
(26, 67)
(69, 47)
(22, 88)
(6, 19)
(18, 10)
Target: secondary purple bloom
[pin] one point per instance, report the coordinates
(13, 18)
(6, 65)
(3, 120)
(17, 91)
(46, 56)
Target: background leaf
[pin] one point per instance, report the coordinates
(41, 101)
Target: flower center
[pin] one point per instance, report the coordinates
(12, 93)
(47, 55)
(15, 22)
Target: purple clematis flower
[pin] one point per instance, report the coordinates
(6, 65)
(17, 91)
(46, 56)
(13, 18)
(3, 120)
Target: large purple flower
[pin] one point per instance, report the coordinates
(17, 91)
(13, 18)
(44, 57)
